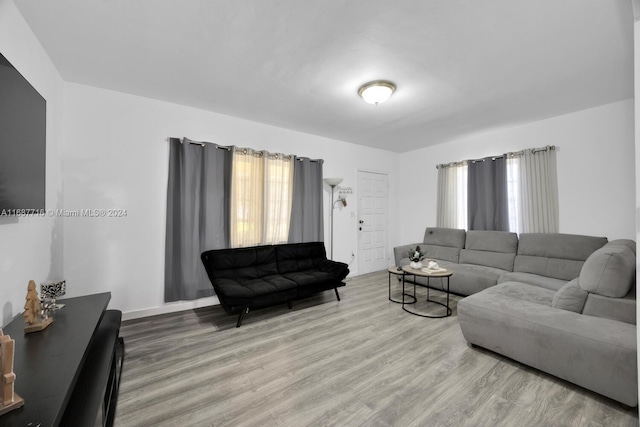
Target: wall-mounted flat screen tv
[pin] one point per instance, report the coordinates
(23, 135)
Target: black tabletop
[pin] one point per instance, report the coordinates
(47, 363)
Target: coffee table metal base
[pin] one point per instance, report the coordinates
(394, 271)
(446, 306)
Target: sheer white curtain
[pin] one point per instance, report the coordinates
(261, 189)
(246, 198)
(533, 176)
(278, 191)
(452, 195)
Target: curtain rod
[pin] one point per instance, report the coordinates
(245, 150)
(508, 155)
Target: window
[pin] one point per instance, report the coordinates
(452, 195)
(532, 192)
(275, 198)
(513, 193)
(261, 189)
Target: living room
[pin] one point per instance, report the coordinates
(108, 149)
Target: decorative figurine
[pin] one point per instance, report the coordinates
(9, 400)
(32, 311)
(53, 290)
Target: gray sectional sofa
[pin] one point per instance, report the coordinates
(561, 303)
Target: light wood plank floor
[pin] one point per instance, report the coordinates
(360, 361)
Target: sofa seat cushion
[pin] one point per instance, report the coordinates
(595, 353)
(252, 287)
(245, 291)
(310, 277)
(525, 292)
(522, 292)
(533, 279)
(468, 279)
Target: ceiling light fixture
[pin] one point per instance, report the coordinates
(376, 92)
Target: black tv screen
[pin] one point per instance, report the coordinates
(23, 122)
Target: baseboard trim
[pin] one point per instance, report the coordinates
(171, 307)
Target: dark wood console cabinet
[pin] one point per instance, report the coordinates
(69, 373)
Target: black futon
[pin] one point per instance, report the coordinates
(262, 276)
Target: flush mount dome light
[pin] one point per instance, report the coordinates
(376, 92)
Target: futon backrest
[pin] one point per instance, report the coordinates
(555, 254)
(443, 243)
(299, 256)
(490, 248)
(240, 263)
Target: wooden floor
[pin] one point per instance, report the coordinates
(360, 361)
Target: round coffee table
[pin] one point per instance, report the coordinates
(397, 271)
(415, 272)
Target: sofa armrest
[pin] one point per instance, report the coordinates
(402, 252)
(338, 269)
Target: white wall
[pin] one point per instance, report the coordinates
(116, 156)
(109, 150)
(636, 49)
(596, 177)
(31, 248)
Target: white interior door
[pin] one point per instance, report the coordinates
(372, 221)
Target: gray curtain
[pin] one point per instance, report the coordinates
(487, 199)
(197, 215)
(306, 211)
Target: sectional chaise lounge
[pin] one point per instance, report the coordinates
(564, 304)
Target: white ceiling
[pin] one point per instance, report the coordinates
(460, 66)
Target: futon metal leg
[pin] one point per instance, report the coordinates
(290, 305)
(241, 316)
(337, 294)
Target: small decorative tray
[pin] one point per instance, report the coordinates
(434, 270)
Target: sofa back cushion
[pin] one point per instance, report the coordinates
(610, 271)
(299, 256)
(490, 248)
(555, 254)
(240, 263)
(443, 243)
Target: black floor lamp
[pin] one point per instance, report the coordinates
(332, 182)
